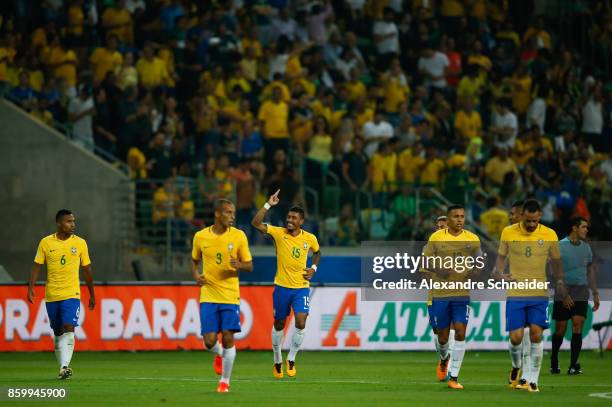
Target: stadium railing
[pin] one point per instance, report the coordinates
(67, 130)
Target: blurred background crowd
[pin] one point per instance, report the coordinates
(373, 114)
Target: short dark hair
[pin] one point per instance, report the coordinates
(297, 209)
(453, 207)
(577, 221)
(531, 205)
(61, 213)
(220, 202)
(517, 204)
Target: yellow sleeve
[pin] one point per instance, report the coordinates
(244, 253)
(196, 253)
(40, 254)
(85, 260)
(315, 244)
(428, 251)
(263, 112)
(503, 243)
(274, 231)
(459, 120)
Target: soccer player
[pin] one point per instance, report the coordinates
(514, 215)
(64, 253)
(450, 307)
(441, 223)
(527, 246)
(223, 251)
(292, 279)
(579, 271)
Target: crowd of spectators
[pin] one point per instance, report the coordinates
(205, 99)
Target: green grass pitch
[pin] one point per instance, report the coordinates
(324, 378)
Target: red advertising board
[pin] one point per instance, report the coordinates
(131, 317)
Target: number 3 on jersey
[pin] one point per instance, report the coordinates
(219, 258)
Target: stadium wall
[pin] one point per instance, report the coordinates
(40, 172)
(166, 317)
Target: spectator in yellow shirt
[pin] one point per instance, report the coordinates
(432, 173)
(105, 59)
(127, 75)
(152, 71)
(467, 121)
(383, 169)
(395, 87)
(498, 167)
(118, 21)
(76, 24)
(62, 62)
(274, 115)
(494, 219)
(356, 89)
(471, 86)
(521, 89)
(410, 163)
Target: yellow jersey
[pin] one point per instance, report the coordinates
(63, 259)
(494, 221)
(215, 251)
(442, 244)
(274, 117)
(291, 256)
(527, 255)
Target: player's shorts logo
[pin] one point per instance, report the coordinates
(73, 250)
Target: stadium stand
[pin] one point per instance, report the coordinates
(374, 114)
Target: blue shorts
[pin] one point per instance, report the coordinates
(215, 317)
(65, 312)
(522, 313)
(443, 312)
(284, 299)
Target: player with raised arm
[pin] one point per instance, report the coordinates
(292, 279)
(64, 253)
(580, 275)
(223, 251)
(450, 307)
(528, 246)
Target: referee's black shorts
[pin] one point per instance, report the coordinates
(580, 296)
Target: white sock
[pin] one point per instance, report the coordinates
(526, 367)
(217, 349)
(537, 351)
(229, 355)
(58, 351)
(437, 344)
(296, 342)
(277, 339)
(457, 357)
(442, 350)
(516, 354)
(65, 343)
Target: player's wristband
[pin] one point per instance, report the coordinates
(267, 206)
(314, 267)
